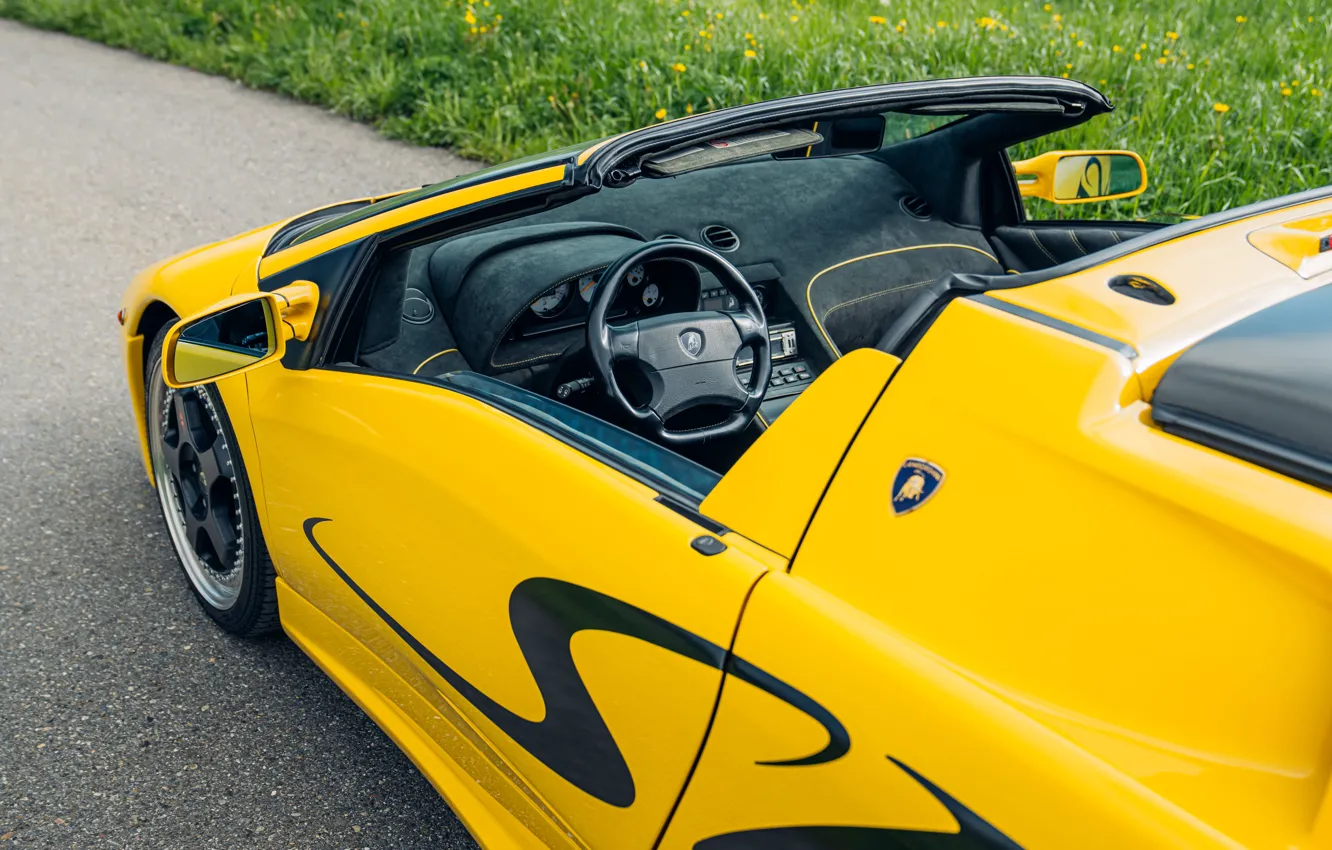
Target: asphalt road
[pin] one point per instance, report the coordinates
(126, 718)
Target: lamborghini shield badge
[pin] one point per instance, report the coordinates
(917, 480)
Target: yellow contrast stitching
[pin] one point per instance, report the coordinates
(809, 298)
(1037, 240)
(432, 357)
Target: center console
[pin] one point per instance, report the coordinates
(791, 373)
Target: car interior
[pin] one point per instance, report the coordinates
(834, 227)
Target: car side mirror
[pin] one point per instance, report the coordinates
(237, 334)
(1080, 177)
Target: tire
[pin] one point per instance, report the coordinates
(207, 504)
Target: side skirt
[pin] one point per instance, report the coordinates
(387, 698)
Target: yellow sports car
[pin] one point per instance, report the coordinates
(770, 479)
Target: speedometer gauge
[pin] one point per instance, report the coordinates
(552, 302)
(636, 276)
(587, 285)
(651, 295)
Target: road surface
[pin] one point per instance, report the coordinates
(126, 718)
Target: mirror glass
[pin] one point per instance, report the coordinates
(224, 342)
(1087, 177)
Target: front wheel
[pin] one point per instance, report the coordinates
(207, 504)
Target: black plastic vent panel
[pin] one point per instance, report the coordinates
(721, 237)
(917, 207)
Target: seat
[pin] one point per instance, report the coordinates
(855, 300)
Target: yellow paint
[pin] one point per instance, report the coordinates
(1215, 277)
(1304, 244)
(1122, 593)
(409, 213)
(798, 454)
(423, 489)
(1093, 634)
(809, 288)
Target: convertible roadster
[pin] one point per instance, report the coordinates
(777, 478)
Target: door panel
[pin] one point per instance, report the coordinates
(932, 758)
(544, 595)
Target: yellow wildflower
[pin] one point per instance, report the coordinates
(660, 114)
(1064, 75)
(795, 18)
(689, 47)
(684, 13)
(942, 25)
(721, 15)
(689, 109)
(678, 67)
(1046, 7)
(749, 54)
(642, 66)
(1294, 82)
(1057, 18)
(878, 19)
(1315, 92)
(1161, 61)
(1240, 19)
(900, 28)
(1069, 66)
(1189, 66)
(1116, 49)
(1285, 92)
(1137, 57)
(1142, 46)
(1221, 107)
(763, 16)
(469, 17)
(1172, 35)
(473, 28)
(1082, 43)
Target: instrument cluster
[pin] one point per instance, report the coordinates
(648, 288)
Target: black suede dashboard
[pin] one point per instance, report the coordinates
(518, 297)
(835, 230)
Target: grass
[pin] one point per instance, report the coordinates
(1228, 102)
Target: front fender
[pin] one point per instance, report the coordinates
(181, 286)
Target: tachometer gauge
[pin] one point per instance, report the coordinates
(587, 286)
(636, 276)
(651, 295)
(552, 302)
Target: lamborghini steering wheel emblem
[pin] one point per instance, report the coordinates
(692, 343)
(916, 482)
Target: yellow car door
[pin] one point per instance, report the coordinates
(538, 578)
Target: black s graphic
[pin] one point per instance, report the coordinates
(973, 833)
(572, 739)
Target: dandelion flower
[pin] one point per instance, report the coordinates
(1315, 92)
(1173, 36)
(878, 19)
(1082, 44)
(1286, 92)
(1057, 18)
(684, 13)
(660, 114)
(469, 17)
(689, 109)
(1069, 66)
(1116, 49)
(795, 18)
(1221, 108)
(1240, 19)
(642, 66)
(1137, 57)
(942, 25)
(1046, 7)
(749, 54)
(678, 67)
(721, 15)
(1189, 66)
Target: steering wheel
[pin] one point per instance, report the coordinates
(687, 358)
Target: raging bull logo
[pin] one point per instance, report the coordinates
(916, 481)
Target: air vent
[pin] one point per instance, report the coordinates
(916, 207)
(721, 238)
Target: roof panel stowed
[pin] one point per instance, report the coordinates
(1260, 389)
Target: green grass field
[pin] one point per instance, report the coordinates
(1227, 102)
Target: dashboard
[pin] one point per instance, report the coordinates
(663, 286)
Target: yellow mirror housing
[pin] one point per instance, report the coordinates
(1080, 177)
(237, 334)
